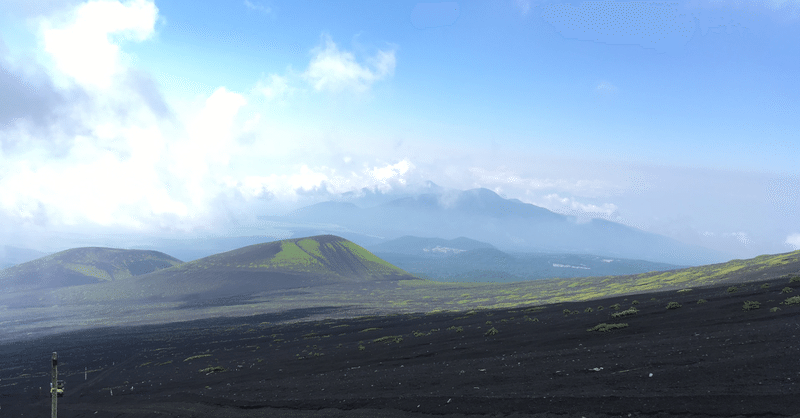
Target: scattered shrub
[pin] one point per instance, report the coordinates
(701, 301)
(197, 357)
(627, 312)
(567, 312)
(606, 327)
(388, 339)
(684, 290)
(787, 290)
(214, 369)
(749, 305)
(794, 300)
(775, 309)
(492, 331)
(732, 289)
(794, 279)
(361, 347)
(369, 329)
(589, 309)
(615, 306)
(635, 302)
(488, 322)
(599, 308)
(765, 286)
(456, 329)
(673, 305)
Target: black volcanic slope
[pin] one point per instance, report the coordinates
(717, 352)
(79, 266)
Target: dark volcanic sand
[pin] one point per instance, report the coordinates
(707, 360)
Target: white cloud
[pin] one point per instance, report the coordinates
(257, 7)
(740, 236)
(276, 87)
(571, 206)
(793, 241)
(334, 70)
(85, 47)
(384, 175)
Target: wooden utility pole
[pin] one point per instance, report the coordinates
(54, 387)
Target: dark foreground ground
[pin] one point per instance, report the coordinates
(713, 359)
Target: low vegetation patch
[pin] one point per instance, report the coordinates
(606, 327)
(389, 339)
(197, 357)
(794, 279)
(212, 369)
(775, 309)
(732, 289)
(615, 306)
(749, 305)
(369, 329)
(684, 290)
(588, 310)
(794, 300)
(701, 301)
(765, 286)
(635, 302)
(491, 331)
(627, 312)
(456, 329)
(673, 305)
(787, 289)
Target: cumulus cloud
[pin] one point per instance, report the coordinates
(571, 206)
(85, 47)
(793, 241)
(332, 69)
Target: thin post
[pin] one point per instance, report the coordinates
(54, 387)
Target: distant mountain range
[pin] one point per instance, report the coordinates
(11, 256)
(466, 260)
(480, 214)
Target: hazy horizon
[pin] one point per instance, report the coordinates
(126, 120)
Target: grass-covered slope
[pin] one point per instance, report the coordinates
(294, 263)
(80, 266)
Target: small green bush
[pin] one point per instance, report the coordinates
(567, 311)
(606, 327)
(615, 306)
(794, 300)
(787, 290)
(635, 302)
(673, 305)
(361, 347)
(775, 309)
(794, 279)
(732, 289)
(701, 301)
(765, 286)
(589, 309)
(627, 312)
(456, 329)
(749, 305)
(491, 331)
(213, 369)
(599, 308)
(388, 339)
(196, 357)
(684, 290)
(369, 329)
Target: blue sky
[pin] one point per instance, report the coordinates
(165, 117)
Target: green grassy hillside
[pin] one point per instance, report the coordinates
(306, 263)
(80, 266)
